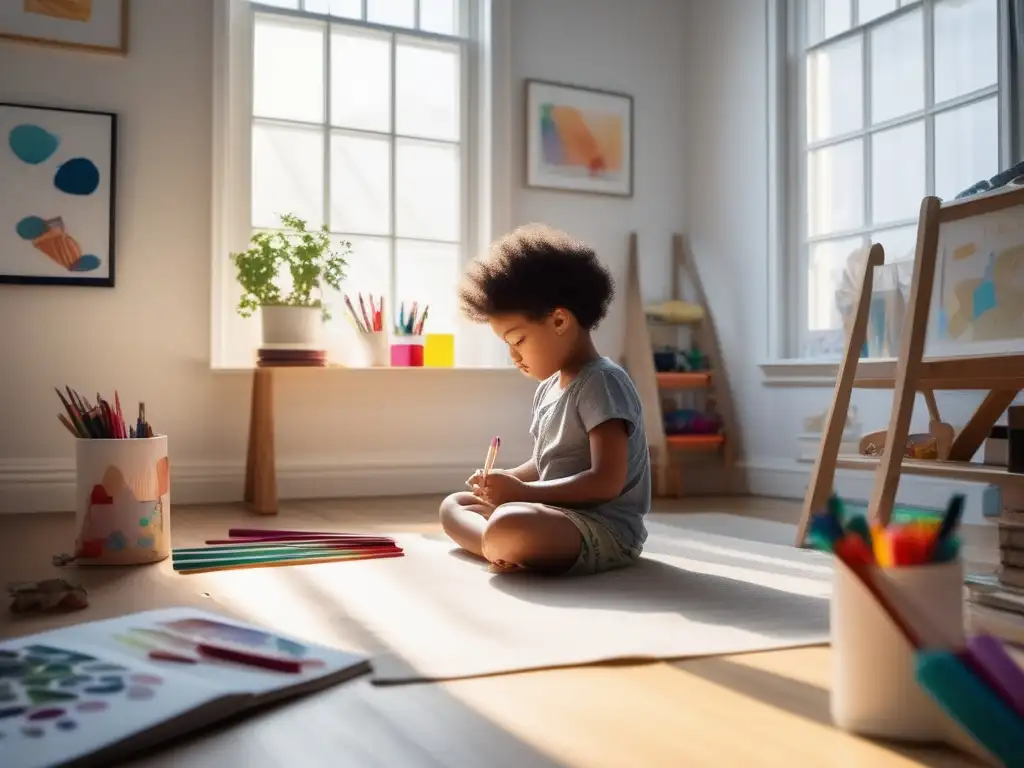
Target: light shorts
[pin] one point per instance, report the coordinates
(600, 551)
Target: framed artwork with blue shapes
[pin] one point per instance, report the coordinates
(57, 210)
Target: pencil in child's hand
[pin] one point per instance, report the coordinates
(492, 454)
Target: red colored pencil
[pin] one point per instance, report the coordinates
(259, 532)
(289, 542)
(248, 658)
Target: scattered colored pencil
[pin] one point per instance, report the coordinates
(257, 548)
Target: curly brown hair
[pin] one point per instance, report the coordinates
(534, 270)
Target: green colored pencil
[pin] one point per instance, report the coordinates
(186, 554)
(205, 562)
(207, 566)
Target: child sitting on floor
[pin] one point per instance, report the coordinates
(578, 505)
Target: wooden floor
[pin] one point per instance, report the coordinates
(765, 709)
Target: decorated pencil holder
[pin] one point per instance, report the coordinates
(874, 688)
(407, 352)
(123, 501)
(378, 349)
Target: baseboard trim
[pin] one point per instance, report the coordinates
(49, 486)
(788, 479)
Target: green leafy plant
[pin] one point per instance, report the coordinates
(305, 256)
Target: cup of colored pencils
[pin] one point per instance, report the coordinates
(103, 420)
(368, 319)
(411, 323)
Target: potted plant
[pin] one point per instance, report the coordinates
(284, 274)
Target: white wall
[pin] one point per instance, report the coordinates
(727, 207)
(339, 432)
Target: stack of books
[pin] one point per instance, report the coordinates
(1011, 548)
(290, 357)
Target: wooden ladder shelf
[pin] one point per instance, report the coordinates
(668, 450)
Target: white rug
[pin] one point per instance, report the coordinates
(699, 590)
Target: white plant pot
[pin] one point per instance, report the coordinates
(292, 326)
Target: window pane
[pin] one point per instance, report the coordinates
(427, 176)
(396, 13)
(287, 174)
(897, 67)
(966, 47)
(835, 89)
(966, 147)
(429, 273)
(869, 10)
(826, 18)
(826, 265)
(438, 16)
(279, 3)
(835, 188)
(899, 243)
(898, 181)
(427, 90)
(360, 80)
(361, 184)
(346, 9)
(368, 271)
(288, 69)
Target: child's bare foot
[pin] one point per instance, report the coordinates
(500, 566)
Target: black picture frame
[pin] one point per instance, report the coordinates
(108, 280)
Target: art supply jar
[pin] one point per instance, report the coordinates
(378, 348)
(123, 501)
(407, 352)
(874, 686)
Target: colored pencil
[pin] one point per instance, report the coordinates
(492, 454)
(186, 560)
(230, 566)
(248, 541)
(248, 658)
(254, 552)
(283, 532)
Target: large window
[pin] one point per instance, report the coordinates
(893, 100)
(359, 122)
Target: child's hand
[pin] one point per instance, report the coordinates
(476, 482)
(501, 487)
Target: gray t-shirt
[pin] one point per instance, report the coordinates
(562, 419)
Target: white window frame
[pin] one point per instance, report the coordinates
(788, 252)
(486, 171)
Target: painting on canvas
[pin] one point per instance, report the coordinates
(978, 298)
(99, 26)
(579, 139)
(57, 222)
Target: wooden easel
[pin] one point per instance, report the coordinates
(1001, 376)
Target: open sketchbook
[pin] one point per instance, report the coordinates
(99, 691)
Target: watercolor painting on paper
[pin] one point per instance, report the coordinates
(579, 139)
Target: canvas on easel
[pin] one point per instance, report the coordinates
(969, 269)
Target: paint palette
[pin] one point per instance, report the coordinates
(44, 689)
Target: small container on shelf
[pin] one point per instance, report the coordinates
(407, 352)
(996, 451)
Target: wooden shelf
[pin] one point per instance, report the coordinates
(958, 470)
(683, 380)
(695, 443)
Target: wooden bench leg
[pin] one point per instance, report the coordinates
(260, 462)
